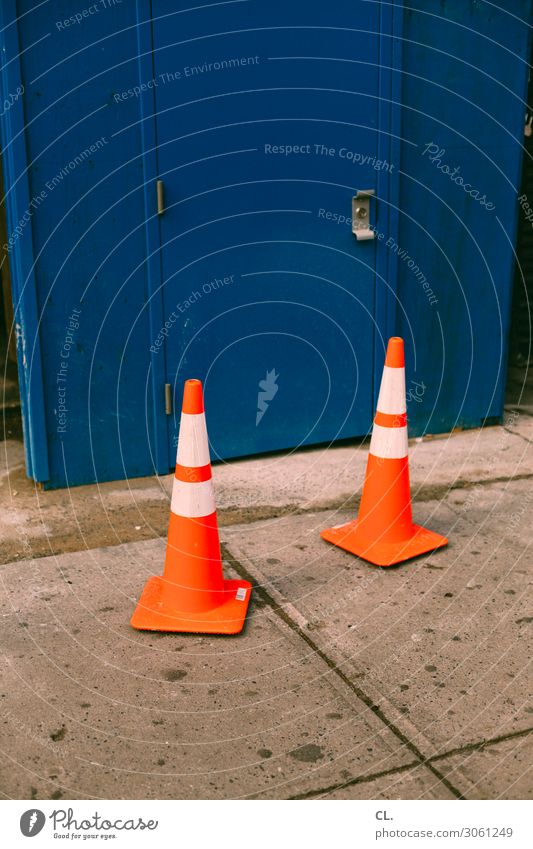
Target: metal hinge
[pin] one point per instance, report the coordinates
(361, 215)
(168, 399)
(160, 197)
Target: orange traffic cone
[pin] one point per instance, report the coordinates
(192, 595)
(384, 532)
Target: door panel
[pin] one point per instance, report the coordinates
(268, 296)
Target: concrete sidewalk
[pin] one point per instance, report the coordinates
(349, 681)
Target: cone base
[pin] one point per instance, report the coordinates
(152, 614)
(383, 553)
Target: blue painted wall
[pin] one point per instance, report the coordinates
(463, 89)
(86, 184)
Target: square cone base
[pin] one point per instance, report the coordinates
(153, 614)
(383, 553)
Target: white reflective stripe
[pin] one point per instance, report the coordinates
(392, 391)
(193, 500)
(389, 442)
(193, 447)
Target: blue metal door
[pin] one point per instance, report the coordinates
(267, 123)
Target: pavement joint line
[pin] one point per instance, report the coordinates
(361, 779)
(460, 750)
(281, 612)
(481, 744)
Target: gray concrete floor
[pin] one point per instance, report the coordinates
(349, 681)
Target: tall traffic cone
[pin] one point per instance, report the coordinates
(192, 595)
(384, 532)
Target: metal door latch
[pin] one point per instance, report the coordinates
(361, 215)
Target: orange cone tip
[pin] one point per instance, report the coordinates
(395, 355)
(384, 532)
(192, 595)
(193, 397)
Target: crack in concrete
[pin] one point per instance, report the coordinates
(229, 516)
(520, 435)
(525, 411)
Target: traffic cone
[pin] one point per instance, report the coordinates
(384, 532)
(192, 595)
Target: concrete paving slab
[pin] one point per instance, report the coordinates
(323, 478)
(441, 643)
(11, 457)
(91, 708)
(519, 391)
(519, 420)
(502, 771)
(35, 523)
(415, 783)
(505, 509)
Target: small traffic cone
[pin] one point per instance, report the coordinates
(192, 595)
(384, 532)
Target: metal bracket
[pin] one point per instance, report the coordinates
(361, 215)
(168, 399)
(160, 197)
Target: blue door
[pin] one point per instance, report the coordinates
(267, 125)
